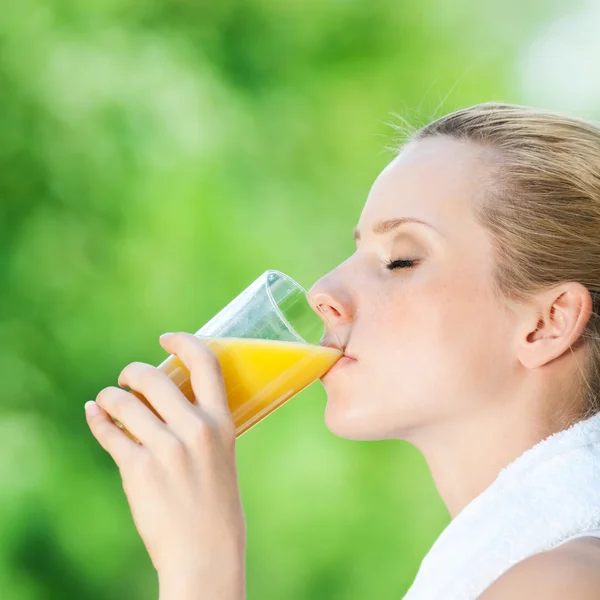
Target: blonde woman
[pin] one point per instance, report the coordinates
(469, 316)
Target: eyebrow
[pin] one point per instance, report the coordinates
(389, 224)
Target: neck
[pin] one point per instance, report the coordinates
(466, 454)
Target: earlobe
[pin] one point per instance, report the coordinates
(561, 316)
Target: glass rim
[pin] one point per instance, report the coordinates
(283, 317)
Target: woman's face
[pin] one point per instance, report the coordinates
(431, 342)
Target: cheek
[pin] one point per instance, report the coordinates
(459, 343)
(443, 341)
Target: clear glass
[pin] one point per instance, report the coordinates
(270, 345)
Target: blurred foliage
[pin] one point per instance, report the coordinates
(155, 158)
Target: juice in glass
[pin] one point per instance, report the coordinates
(259, 374)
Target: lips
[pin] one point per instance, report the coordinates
(342, 362)
(337, 347)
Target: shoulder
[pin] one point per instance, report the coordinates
(571, 570)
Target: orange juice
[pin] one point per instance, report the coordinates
(260, 375)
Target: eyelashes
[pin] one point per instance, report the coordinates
(400, 264)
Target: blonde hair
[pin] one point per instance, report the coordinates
(542, 210)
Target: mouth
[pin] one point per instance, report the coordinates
(337, 347)
(345, 360)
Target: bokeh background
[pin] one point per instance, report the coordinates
(157, 157)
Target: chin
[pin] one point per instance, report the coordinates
(350, 423)
(360, 417)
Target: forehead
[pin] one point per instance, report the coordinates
(435, 179)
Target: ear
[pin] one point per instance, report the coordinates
(553, 322)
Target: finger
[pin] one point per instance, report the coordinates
(109, 436)
(160, 391)
(135, 416)
(205, 371)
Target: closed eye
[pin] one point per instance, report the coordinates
(400, 264)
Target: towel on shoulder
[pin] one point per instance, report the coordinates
(549, 493)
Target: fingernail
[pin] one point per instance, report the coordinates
(91, 408)
(165, 336)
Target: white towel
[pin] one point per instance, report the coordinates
(550, 492)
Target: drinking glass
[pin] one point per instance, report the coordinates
(270, 344)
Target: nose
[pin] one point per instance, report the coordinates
(331, 308)
(329, 299)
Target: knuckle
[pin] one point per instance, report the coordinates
(128, 368)
(149, 375)
(108, 396)
(228, 430)
(145, 464)
(203, 434)
(229, 438)
(174, 449)
(131, 369)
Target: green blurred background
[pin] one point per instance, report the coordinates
(157, 157)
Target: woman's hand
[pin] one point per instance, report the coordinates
(181, 480)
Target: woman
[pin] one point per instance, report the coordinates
(470, 307)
